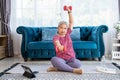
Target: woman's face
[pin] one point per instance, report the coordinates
(62, 29)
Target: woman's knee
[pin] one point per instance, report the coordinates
(78, 63)
(56, 60)
(53, 59)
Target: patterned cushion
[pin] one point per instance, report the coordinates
(48, 34)
(75, 35)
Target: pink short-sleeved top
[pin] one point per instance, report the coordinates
(65, 41)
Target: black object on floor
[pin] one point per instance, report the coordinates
(28, 72)
(4, 72)
(115, 64)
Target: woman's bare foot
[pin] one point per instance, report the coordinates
(77, 70)
(51, 69)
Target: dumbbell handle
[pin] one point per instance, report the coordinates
(56, 48)
(65, 48)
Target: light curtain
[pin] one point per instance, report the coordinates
(5, 9)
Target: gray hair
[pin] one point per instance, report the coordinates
(62, 22)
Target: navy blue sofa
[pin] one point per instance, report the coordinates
(37, 41)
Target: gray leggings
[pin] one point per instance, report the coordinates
(64, 65)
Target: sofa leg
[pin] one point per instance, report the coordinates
(99, 59)
(25, 59)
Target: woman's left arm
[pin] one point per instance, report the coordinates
(70, 18)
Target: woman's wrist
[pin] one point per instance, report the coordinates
(69, 12)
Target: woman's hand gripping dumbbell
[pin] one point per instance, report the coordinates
(60, 48)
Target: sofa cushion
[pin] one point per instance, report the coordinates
(49, 45)
(75, 35)
(47, 34)
(84, 45)
(40, 45)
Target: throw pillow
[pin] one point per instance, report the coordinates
(75, 35)
(48, 34)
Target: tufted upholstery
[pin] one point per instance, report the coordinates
(90, 45)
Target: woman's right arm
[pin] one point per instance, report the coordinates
(58, 45)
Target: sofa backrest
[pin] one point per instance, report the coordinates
(79, 33)
(47, 33)
(85, 32)
(82, 33)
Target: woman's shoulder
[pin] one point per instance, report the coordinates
(69, 30)
(55, 36)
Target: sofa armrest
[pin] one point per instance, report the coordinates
(97, 36)
(102, 29)
(29, 34)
